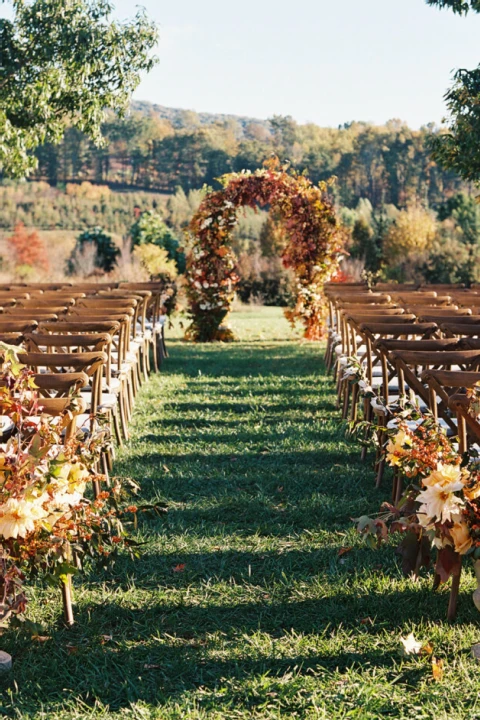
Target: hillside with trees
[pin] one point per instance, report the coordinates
(160, 150)
(406, 216)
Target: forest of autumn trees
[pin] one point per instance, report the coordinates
(389, 164)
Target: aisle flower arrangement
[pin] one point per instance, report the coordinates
(49, 519)
(315, 242)
(439, 512)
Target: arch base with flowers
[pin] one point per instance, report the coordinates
(312, 250)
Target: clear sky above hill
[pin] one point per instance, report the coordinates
(322, 61)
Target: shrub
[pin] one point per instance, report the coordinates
(156, 261)
(150, 229)
(106, 252)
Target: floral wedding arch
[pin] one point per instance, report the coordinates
(314, 245)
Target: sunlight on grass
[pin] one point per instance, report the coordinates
(241, 605)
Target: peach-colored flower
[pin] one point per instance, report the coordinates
(444, 475)
(461, 537)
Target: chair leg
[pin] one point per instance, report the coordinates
(453, 600)
(123, 415)
(138, 370)
(131, 395)
(163, 345)
(367, 411)
(397, 488)
(346, 398)
(66, 587)
(147, 356)
(106, 462)
(354, 410)
(145, 361)
(116, 424)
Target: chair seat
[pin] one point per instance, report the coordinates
(414, 424)
(114, 386)
(108, 400)
(7, 426)
(83, 422)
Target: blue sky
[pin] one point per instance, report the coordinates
(322, 61)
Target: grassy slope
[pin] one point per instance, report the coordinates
(266, 620)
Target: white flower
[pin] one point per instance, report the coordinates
(444, 475)
(17, 517)
(461, 537)
(206, 223)
(66, 500)
(202, 306)
(198, 285)
(410, 645)
(205, 284)
(440, 502)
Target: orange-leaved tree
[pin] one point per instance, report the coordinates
(27, 248)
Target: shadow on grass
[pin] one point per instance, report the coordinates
(158, 652)
(148, 634)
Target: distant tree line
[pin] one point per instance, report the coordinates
(389, 164)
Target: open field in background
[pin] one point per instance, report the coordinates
(58, 245)
(244, 603)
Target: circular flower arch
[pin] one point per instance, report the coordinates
(314, 245)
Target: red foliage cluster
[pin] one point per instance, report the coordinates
(27, 248)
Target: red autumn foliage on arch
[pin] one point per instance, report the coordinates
(315, 242)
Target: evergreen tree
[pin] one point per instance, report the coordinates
(106, 252)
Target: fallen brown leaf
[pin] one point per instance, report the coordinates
(179, 568)
(437, 669)
(344, 551)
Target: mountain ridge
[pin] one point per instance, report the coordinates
(179, 116)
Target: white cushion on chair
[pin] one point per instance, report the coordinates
(108, 400)
(6, 426)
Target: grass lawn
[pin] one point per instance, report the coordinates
(242, 605)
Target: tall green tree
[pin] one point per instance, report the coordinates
(65, 61)
(461, 7)
(459, 147)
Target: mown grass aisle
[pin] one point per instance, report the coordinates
(244, 603)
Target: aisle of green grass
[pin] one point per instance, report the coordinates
(242, 605)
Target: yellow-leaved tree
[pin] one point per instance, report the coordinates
(410, 236)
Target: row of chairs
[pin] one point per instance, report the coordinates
(404, 342)
(98, 342)
(95, 338)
